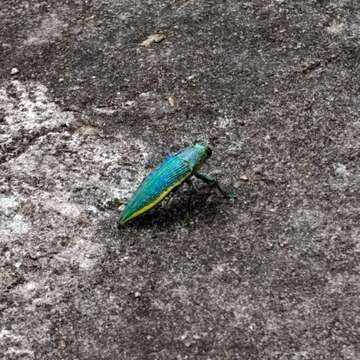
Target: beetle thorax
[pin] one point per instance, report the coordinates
(195, 155)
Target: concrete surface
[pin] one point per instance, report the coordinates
(86, 110)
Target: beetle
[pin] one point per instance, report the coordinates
(167, 177)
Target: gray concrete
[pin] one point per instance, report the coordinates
(273, 86)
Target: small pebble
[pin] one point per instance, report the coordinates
(187, 343)
(171, 100)
(259, 169)
(14, 71)
(244, 178)
(237, 184)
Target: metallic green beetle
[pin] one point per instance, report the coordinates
(167, 177)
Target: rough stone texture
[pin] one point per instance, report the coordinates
(273, 86)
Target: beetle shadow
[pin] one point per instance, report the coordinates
(205, 203)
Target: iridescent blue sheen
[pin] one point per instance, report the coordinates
(166, 177)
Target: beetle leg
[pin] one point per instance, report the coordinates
(213, 182)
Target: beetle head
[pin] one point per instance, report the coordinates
(204, 150)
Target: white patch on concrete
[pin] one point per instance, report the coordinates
(15, 225)
(160, 305)
(340, 170)
(219, 269)
(28, 289)
(300, 355)
(223, 122)
(84, 253)
(65, 208)
(12, 351)
(28, 109)
(7, 204)
(4, 333)
(111, 166)
(350, 29)
(336, 28)
(16, 345)
(242, 312)
(132, 175)
(50, 29)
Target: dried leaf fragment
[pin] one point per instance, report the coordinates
(153, 38)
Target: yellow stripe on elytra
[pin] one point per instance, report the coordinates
(156, 201)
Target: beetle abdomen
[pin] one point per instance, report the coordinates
(171, 173)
